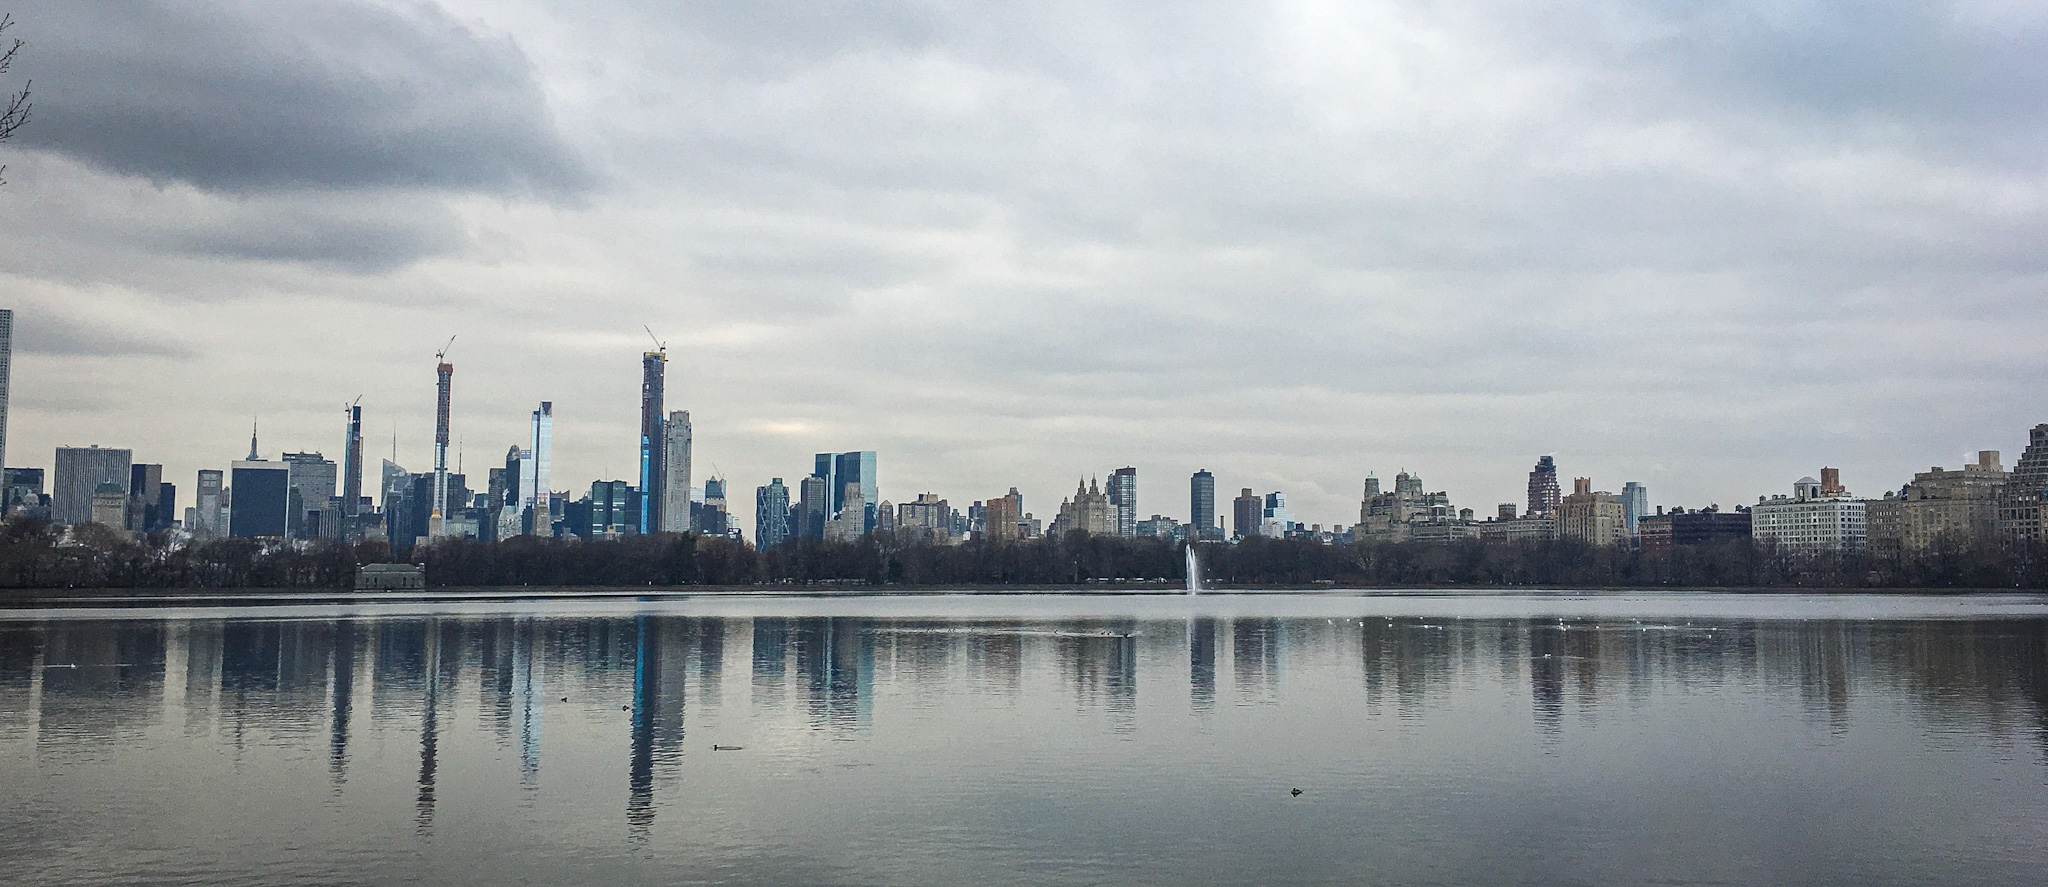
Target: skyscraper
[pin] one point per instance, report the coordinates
(513, 495)
(312, 478)
(208, 518)
(1202, 502)
(24, 488)
(1274, 519)
(1592, 516)
(1123, 497)
(534, 492)
(611, 504)
(395, 495)
(653, 370)
(713, 519)
(1247, 511)
(1635, 505)
(857, 469)
(813, 507)
(771, 515)
(1089, 511)
(445, 376)
(1002, 513)
(6, 375)
(675, 469)
(79, 473)
(260, 504)
(352, 464)
(110, 506)
(1544, 494)
(850, 524)
(2026, 491)
(145, 488)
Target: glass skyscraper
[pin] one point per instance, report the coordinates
(534, 492)
(771, 515)
(1635, 503)
(841, 469)
(1123, 498)
(1202, 503)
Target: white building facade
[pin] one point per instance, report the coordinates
(1810, 519)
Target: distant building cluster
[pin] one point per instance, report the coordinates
(305, 495)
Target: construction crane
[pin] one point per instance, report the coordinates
(442, 355)
(659, 345)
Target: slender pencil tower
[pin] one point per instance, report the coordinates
(435, 526)
(352, 471)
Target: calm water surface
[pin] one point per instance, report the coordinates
(1538, 739)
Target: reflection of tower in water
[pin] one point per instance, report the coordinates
(770, 660)
(511, 688)
(21, 671)
(835, 659)
(100, 681)
(527, 677)
(660, 664)
(1202, 663)
(1546, 675)
(710, 655)
(1255, 657)
(342, 701)
(202, 675)
(1101, 663)
(997, 658)
(430, 701)
(646, 692)
(1373, 640)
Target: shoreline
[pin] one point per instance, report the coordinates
(139, 598)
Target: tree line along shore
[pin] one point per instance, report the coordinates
(36, 556)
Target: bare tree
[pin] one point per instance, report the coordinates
(17, 104)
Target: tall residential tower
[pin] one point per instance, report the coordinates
(534, 492)
(1123, 498)
(1202, 504)
(675, 471)
(1544, 493)
(445, 375)
(352, 464)
(653, 370)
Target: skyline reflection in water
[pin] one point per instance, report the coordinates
(1153, 746)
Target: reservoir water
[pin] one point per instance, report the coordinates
(1547, 738)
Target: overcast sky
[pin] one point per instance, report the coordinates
(1707, 246)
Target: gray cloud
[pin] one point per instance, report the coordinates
(251, 97)
(72, 223)
(357, 242)
(43, 332)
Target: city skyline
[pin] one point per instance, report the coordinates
(1291, 268)
(1640, 501)
(928, 441)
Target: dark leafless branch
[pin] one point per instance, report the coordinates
(14, 111)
